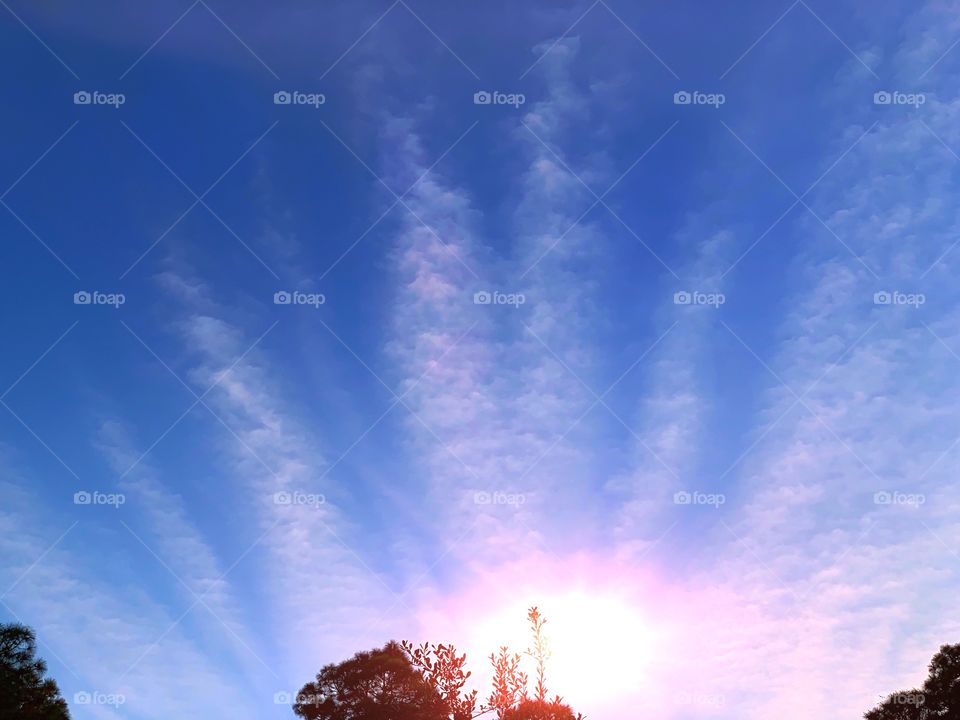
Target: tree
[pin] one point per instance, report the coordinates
(509, 683)
(508, 698)
(540, 710)
(376, 685)
(938, 698)
(942, 688)
(428, 682)
(25, 694)
(539, 652)
(515, 705)
(443, 669)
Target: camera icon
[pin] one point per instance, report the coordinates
(481, 498)
(282, 498)
(882, 298)
(82, 498)
(682, 97)
(682, 298)
(282, 698)
(882, 498)
(882, 97)
(482, 98)
(682, 498)
(82, 298)
(82, 698)
(482, 298)
(82, 98)
(282, 97)
(282, 298)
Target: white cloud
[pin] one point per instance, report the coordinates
(111, 636)
(323, 598)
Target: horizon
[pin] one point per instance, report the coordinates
(332, 325)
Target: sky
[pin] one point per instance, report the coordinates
(325, 324)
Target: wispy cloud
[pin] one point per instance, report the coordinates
(172, 539)
(110, 636)
(321, 593)
(492, 415)
(843, 531)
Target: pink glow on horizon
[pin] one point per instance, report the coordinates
(614, 631)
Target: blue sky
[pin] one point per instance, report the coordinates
(448, 459)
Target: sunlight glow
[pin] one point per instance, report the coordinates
(601, 647)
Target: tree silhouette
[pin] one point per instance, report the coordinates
(24, 692)
(514, 704)
(428, 682)
(942, 688)
(938, 698)
(376, 685)
(443, 669)
(540, 710)
(508, 697)
(539, 652)
(509, 683)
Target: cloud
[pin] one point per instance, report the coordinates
(495, 389)
(110, 636)
(322, 596)
(173, 540)
(833, 599)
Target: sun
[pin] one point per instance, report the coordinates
(601, 645)
(610, 627)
